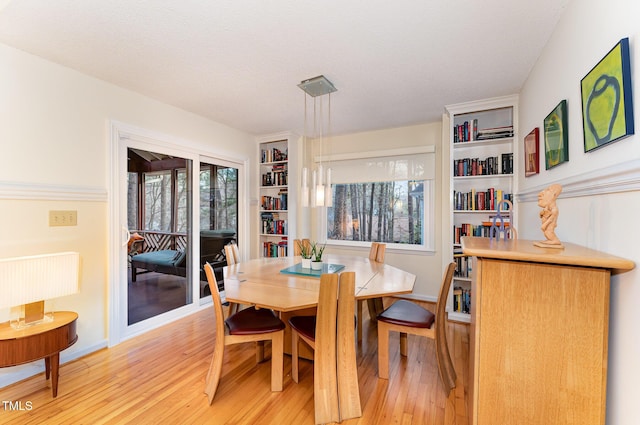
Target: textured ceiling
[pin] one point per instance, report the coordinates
(239, 62)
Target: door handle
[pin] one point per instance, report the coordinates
(128, 233)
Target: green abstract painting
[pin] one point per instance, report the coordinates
(607, 109)
(556, 136)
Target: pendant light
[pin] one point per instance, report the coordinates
(319, 90)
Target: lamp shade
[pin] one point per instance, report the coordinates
(25, 280)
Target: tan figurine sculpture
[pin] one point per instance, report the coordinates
(549, 216)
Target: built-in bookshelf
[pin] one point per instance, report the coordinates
(481, 176)
(276, 195)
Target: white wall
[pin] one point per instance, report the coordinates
(426, 266)
(54, 142)
(602, 218)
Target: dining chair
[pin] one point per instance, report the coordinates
(375, 305)
(297, 246)
(330, 333)
(232, 255)
(408, 317)
(248, 325)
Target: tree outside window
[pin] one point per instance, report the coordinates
(389, 212)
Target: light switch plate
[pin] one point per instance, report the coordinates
(63, 218)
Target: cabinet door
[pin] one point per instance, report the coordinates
(541, 343)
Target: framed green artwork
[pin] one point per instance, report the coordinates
(556, 136)
(607, 107)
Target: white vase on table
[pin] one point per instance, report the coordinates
(306, 263)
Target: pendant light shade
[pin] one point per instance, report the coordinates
(319, 89)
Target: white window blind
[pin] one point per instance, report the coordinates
(381, 166)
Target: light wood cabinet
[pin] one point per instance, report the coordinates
(539, 331)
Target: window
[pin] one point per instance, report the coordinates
(157, 192)
(218, 197)
(386, 197)
(390, 212)
(132, 200)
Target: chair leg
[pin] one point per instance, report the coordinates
(379, 305)
(277, 360)
(233, 308)
(383, 351)
(215, 370)
(445, 364)
(403, 344)
(359, 319)
(373, 311)
(259, 351)
(295, 340)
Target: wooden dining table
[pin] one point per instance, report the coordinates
(271, 283)
(262, 283)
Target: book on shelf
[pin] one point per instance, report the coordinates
(463, 266)
(272, 224)
(275, 249)
(475, 200)
(495, 133)
(275, 177)
(507, 163)
(273, 155)
(477, 167)
(275, 202)
(467, 229)
(465, 132)
(461, 300)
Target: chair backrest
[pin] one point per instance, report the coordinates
(445, 366)
(324, 365)
(444, 291)
(373, 252)
(217, 303)
(377, 251)
(382, 247)
(296, 247)
(232, 254)
(298, 244)
(348, 390)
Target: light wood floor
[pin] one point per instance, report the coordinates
(158, 378)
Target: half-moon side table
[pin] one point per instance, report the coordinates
(42, 341)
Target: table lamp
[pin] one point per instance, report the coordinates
(26, 282)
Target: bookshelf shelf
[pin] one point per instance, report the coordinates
(481, 173)
(484, 176)
(474, 211)
(482, 143)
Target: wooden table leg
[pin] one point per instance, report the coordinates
(47, 368)
(55, 365)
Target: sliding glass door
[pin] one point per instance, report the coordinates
(159, 224)
(218, 216)
(173, 209)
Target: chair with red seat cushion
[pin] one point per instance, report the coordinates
(248, 325)
(407, 317)
(232, 254)
(331, 335)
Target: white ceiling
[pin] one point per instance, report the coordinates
(238, 62)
